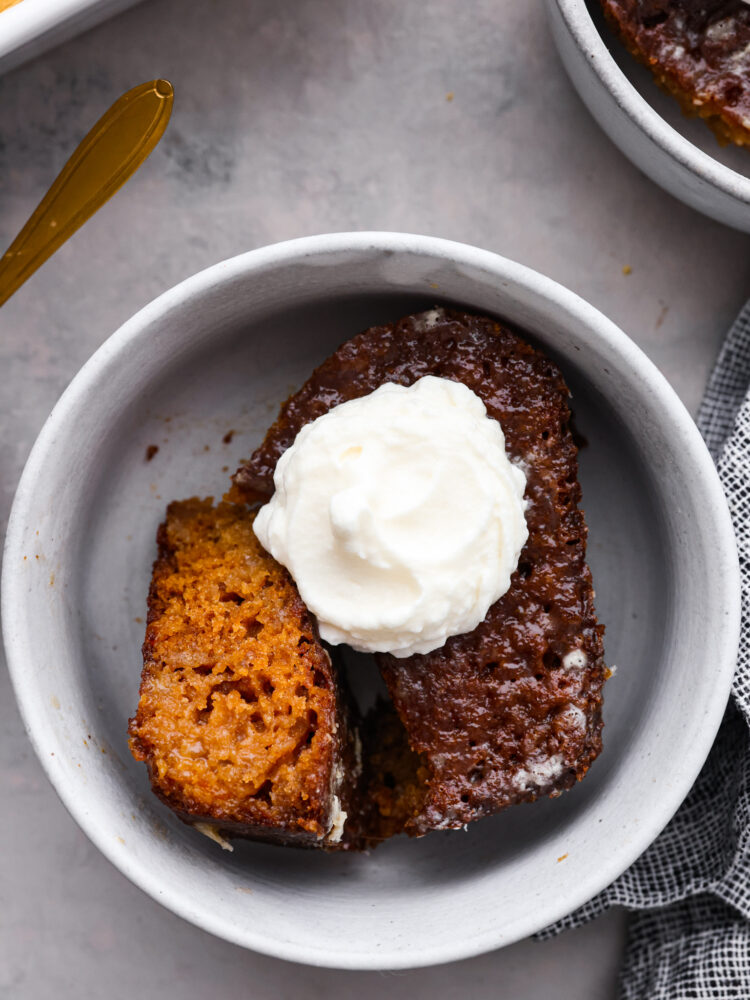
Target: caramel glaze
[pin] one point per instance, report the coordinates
(497, 715)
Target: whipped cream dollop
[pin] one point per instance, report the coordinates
(399, 516)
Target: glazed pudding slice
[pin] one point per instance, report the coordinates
(241, 719)
(698, 51)
(511, 710)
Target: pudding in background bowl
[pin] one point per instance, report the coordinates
(699, 52)
(217, 354)
(678, 152)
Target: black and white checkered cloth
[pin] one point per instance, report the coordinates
(689, 933)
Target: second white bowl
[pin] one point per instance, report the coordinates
(679, 153)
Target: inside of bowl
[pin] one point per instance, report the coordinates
(693, 129)
(204, 414)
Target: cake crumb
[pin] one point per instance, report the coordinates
(627, 269)
(562, 858)
(449, 96)
(227, 439)
(151, 451)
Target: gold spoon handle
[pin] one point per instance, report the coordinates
(112, 151)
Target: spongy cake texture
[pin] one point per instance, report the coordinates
(241, 720)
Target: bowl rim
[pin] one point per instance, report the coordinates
(701, 165)
(19, 639)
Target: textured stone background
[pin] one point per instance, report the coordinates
(295, 117)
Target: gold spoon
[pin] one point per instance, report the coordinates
(112, 151)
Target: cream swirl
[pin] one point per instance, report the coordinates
(399, 516)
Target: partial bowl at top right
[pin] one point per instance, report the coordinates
(678, 152)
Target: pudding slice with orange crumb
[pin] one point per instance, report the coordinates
(241, 719)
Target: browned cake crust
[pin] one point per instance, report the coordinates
(505, 713)
(240, 719)
(698, 51)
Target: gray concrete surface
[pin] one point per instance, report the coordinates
(295, 117)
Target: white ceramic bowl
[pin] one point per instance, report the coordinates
(218, 353)
(679, 153)
(33, 26)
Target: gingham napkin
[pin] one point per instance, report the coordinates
(689, 894)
